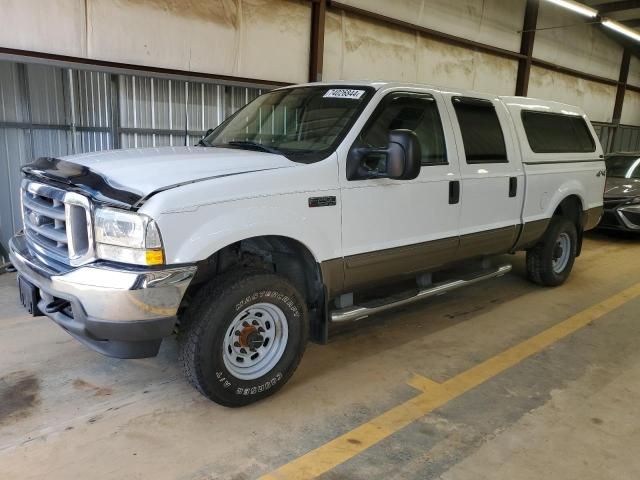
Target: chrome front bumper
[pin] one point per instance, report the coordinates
(121, 312)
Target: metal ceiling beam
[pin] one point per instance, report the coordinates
(526, 46)
(18, 55)
(619, 6)
(574, 73)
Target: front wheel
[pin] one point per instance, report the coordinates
(244, 337)
(550, 262)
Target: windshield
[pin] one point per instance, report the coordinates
(305, 124)
(623, 166)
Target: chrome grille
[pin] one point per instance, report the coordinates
(57, 223)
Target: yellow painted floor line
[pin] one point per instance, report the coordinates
(434, 395)
(424, 384)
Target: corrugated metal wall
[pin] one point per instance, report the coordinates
(157, 111)
(52, 111)
(621, 138)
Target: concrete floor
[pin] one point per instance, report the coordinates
(571, 410)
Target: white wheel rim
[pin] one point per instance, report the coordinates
(561, 253)
(255, 341)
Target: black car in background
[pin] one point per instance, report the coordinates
(622, 193)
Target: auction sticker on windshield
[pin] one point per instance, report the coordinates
(344, 93)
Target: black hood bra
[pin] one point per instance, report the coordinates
(82, 179)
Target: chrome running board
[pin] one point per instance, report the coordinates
(358, 312)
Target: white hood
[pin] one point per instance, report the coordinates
(146, 170)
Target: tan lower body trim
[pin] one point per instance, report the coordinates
(375, 268)
(369, 269)
(489, 242)
(333, 276)
(591, 217)
(531, 234)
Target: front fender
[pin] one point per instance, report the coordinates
(191, 236)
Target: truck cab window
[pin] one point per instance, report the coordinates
(481, 132)
(411, 111)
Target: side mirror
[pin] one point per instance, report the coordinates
(401, 160)
(209, 132)
(404, 156)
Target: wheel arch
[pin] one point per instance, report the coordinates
(283, 255)
(572, 208)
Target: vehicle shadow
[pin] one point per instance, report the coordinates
(619, 236)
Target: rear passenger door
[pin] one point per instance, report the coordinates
(492, 189)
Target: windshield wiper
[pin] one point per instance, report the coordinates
(203, 143)
(250, 144)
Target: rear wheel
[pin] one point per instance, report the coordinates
(244, 337)
(550, 262)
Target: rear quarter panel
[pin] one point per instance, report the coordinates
(552, 177)
(548, 184)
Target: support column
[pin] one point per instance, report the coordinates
(622, 85)
(617, 107)
(526, 46)
(316, 50)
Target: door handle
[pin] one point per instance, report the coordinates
(513, 186)
(454, 192)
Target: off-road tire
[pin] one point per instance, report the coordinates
(540, 258)
(201, 339)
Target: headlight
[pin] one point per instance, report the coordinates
(127, 237)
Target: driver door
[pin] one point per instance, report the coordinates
(397, 228)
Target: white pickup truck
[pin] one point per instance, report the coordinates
(285, 219)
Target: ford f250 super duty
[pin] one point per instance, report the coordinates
(283, 220)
